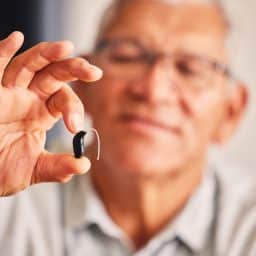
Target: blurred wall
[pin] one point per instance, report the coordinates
(80, 18)
(24, 16)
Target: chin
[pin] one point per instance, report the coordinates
(145, 162)
(147, 155)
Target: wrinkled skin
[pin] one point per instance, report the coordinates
(33, 97)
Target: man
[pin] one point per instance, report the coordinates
(167, 94)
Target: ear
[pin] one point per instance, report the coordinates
(235, 109)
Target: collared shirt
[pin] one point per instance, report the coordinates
(70, 219)
(91, 221)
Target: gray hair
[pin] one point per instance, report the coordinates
(112, 9)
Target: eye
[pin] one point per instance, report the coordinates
(188, 67)
(125, 54)
(125, 58)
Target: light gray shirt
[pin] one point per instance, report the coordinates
(70, 219)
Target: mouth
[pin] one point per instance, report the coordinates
(148, 124)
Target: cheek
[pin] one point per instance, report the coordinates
(208, 114)
(104, 101)
(102, 97)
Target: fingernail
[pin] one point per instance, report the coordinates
(85, 162)
(97, 71)
(19, 36)
(77, 122)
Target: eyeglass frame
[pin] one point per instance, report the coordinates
(153, 57)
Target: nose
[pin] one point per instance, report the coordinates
(158, 84)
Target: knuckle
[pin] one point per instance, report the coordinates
(78, 62)
(70, 96)
(41, 45)
(61, 48)
(75, 106)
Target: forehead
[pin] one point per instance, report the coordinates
(170, 24)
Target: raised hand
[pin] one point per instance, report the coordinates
(33, 97)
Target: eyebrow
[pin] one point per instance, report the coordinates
(102, 42)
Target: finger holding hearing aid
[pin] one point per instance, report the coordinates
(66, 103)
(33, 106)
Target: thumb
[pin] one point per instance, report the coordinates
(58, 167)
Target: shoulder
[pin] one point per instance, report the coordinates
(236, 188)
(236, 210)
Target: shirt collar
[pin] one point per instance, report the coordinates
(194, 224)
(83, 207)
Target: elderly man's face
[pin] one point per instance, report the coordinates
(154, 119)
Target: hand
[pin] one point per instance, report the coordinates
(33, 97)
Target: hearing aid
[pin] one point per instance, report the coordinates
(79, 145)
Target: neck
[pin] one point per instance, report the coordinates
(142, 207)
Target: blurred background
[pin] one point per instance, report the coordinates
(77, 20)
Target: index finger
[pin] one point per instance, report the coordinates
(8, 47)
(22, 68)
(50, 80)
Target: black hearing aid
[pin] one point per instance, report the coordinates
(78, 144)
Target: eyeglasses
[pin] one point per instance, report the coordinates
(128, 60)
